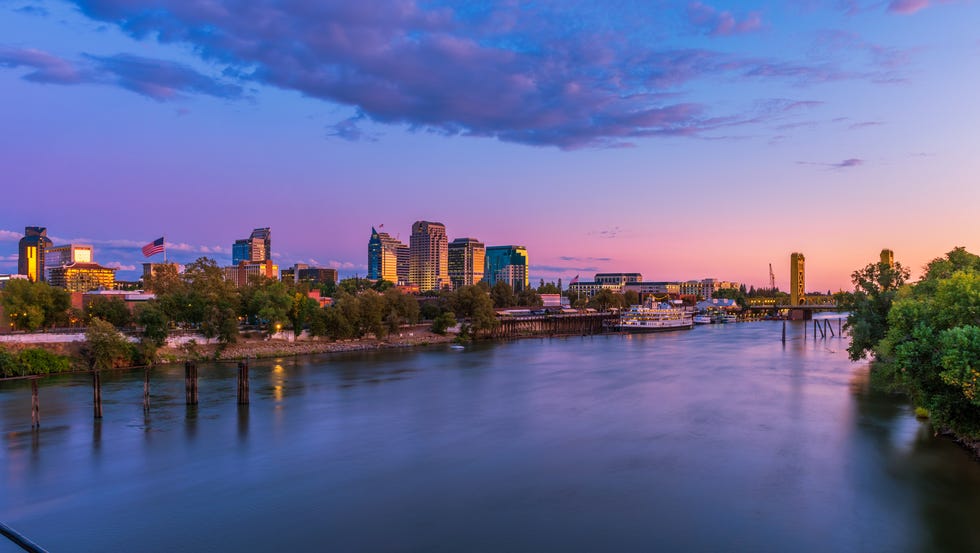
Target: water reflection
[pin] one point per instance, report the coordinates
(716, 439)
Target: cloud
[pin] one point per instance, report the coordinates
(572, 258)
(562, 269)
(120, 266)
(710, 21)
(347, 265)
(865, 124)
(45, 68)
(607, 233)
(10, 236)
(30, 9)
(907, 6)
(845, 164)
(9, 258)
(158, 79)
(525, 72)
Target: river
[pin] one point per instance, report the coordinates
(716, 439)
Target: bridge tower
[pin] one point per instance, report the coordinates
(888, 258)
(797, 279)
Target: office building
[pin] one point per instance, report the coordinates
(467, 258)
(59, 256)
(388, 258)
(429, 256)
(30, 253)
(618, 278)
(300, 272)
(82, 277)
(257, 247)
(248, 272)
(508, 264)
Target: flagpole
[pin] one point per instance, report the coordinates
(164, 249)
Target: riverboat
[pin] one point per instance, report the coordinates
(654, 317)
(702, 319)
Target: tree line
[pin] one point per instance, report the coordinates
(924, 337)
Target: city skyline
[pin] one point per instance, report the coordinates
(682, 141)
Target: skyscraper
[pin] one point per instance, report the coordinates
(59, 256)
(388, 258)
(466, 262)
(508, 264)
(30, 253)
(429, 256)
(257, 247)
(797, 278)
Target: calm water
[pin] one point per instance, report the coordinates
(716, 439)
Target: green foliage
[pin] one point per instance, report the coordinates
(151, 317)
(443, 322)
(32, 361)
(606, 299)
(474, 304)
(104, 347)
(529, 298)
(875, 288)
(503, 295)
(549, 288)
(111, 310)
(34, 305)
(931, 344)
(213, 302)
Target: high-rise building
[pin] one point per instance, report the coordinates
(888, 258)
(82, 277)
(388, 258)
(240, 251)
(30, 253)
(467, 257)
(59, 256)
(251, 271)
(797, 278)
(508, 264)
(429, 256)
(257, 247)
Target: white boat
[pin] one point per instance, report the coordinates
(702, 319)
(654, 317)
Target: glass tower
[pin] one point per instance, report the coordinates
(508, 264)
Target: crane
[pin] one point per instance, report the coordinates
(772, 278)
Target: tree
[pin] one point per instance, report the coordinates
(104, 347)
(443, 322)
(503, 295)
(605, 300)
(213, 301)
(631, 297)
(110, 310)
(154, 322)
(875, 287)
(34, 305)
(931, 346)
(549, 288)
(473, 303)
(529, 298)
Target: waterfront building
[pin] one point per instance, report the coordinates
(82, 277)
(429, 256)
(508, 264)
(30, 253)
(300, 272)
(618, 278)
(257, 247)
(388, 258)
(467, 257)
(591, 288)
(656, 288)
(797, 278)
(250, 271)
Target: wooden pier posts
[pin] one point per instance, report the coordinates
(35, 406)
(784, 331)
(243, 382)
(146, 389)
(97, 393)
(190, 382)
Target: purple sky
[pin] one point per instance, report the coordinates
(678, 139)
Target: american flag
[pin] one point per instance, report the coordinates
(574, 280)
(153, 247)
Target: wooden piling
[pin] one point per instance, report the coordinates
(840, 331)
(784, 331)
(243, 395)
(97, 393)
(190, 382)
(146, 389)
(35, 406)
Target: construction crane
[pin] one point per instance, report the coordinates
(772, 278)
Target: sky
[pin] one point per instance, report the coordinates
(681, 140)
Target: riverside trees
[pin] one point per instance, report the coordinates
(925, 336)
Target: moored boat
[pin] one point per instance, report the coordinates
(654, 317)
